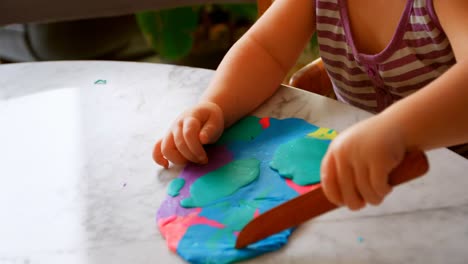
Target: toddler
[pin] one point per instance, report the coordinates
(406, 61)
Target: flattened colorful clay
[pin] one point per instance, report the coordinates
(257, 164)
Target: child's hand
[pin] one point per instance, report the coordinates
(356, 168)
(184, 141)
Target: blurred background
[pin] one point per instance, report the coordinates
(197, 35)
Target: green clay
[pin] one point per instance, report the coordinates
(300, 160)
(244, 212)
(244, 130)
(241, 214)
(175, 186)
(222, 182)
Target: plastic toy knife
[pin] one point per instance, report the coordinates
(314, 203)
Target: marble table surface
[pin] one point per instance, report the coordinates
(78, 184)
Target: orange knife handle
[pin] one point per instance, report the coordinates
(414, 165)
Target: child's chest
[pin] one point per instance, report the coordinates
(374, 22)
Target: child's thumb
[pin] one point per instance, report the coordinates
(212, 123)
(211, 131)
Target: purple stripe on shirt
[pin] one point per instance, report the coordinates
(328, 20)
(415, 73)
(345, 99)
(327, 5)
(407, 88)
(342, 65)
(408, 75)
(361, 96)
(398, 62)
(426, 41)
(357, 84)
(330, 35)
(433, 55)
(420, 11)
(336, 51)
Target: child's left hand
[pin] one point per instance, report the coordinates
(357, 165)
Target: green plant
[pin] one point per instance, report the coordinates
(173, 32)
(170, 31)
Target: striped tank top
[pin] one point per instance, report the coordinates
(418, 53)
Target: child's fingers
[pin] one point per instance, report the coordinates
(364, 187)
(329, 180)
(179, 141)
(345, 176)
(212, 122)
(170, 151)
(379, 179)
(208, 134)
(191, 130)
(211, 130)
(158, 156)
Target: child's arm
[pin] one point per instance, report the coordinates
(356, 167)
(256, 65)
(437, 116)
(249, 74)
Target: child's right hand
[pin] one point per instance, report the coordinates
(199, 125)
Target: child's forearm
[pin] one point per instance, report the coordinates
(242, 83)
(437, 115)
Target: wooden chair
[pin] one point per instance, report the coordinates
(313, 78)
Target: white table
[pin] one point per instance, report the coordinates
(78, 184)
